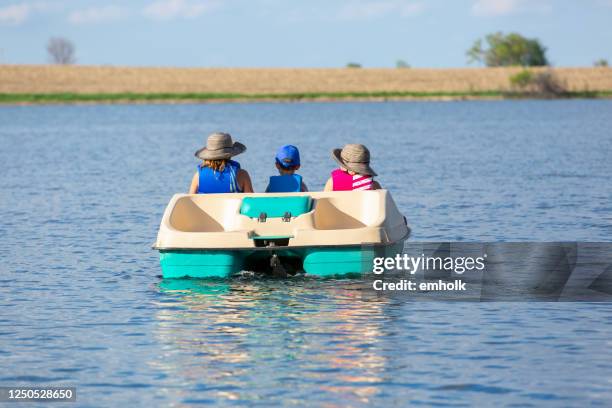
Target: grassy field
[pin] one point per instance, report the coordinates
(68, 84)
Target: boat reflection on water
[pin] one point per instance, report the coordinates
(235, 340)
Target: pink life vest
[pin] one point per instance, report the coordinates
(342, 181)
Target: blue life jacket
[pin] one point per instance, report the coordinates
(290, 183)
(225, 181)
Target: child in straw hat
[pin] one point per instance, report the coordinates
(217, 173)
(355, 172)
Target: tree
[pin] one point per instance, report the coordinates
(61, 51)
(541, 83)
(353, 65)
(601, 63)
(401, 64)
(522, 79)
(508, 50)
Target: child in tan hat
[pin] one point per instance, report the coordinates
(355, 172)
(217, 173)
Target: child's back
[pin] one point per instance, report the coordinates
(348, 181)
(289, 183)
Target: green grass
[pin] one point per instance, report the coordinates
(12, 98)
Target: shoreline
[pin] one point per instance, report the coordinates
(8, 99)
(79, 84)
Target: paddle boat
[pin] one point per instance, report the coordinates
(319, 233)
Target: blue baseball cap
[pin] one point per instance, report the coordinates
(288, 156)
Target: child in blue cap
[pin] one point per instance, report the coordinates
(287, 163)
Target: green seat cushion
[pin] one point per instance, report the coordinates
(275, 206)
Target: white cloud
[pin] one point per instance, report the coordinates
(364, 10)
(97, 15)
(496, 8)
(170, 9)
(486, 8)
(16, 14)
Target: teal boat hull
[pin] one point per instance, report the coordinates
(316, 261)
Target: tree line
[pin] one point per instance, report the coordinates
(504, 50)
(494, 50)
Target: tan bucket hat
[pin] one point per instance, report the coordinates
(354, 157)
(219, 146)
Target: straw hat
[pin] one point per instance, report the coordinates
(354, 157)
(219, 146)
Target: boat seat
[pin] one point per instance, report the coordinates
(275, 207)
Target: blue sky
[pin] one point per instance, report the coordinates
(308, 33)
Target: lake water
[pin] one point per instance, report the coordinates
(81, 303)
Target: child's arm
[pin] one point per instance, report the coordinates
(304, 188)
(329, 186)
(244, 181)
(376, 185)
(193, 189)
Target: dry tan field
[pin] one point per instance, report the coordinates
(23, 79)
